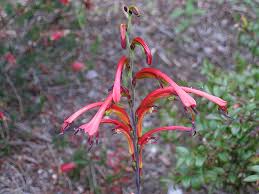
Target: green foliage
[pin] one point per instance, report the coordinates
(224, 149)
(184, 15)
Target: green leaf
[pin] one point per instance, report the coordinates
(254, 168)
(223, 156)
(182, 150)
(186, 181)
(177, 13)
(81, 17)
(252, 178)
(199, 161)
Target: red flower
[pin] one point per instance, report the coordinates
(10, 58)
(141, 42)
(77, 66)
(123, 29)
(67, 167)
(64, 2)
(220, 102)
(116, 93)
(186, 99)
(122, 128)
(71, 118)
(147, 137)
(92, 127)
(57, 35)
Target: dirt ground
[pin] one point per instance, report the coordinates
(33, 166)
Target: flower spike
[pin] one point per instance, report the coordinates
(123, 30)
(141, 42)
(186, 99)
(68, 121)
(92, 127)
(116, 92)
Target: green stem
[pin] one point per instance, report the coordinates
(132, 107)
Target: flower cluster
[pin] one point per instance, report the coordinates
(124, 124)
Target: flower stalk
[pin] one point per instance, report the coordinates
(130, 123)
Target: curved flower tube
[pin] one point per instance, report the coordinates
(141, 42)
(140, 116)
(148, 135)
(123, 30)
(186, 99)
(92, 127)
(68, 121)
(120, 112)
(167, 91)
(220, 102)
(116, 92)
(122, 128)
(144, 139)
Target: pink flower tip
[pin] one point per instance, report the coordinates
(77, 66)
(67, 167)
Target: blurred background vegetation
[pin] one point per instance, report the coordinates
(211, 45)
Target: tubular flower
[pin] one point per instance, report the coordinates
(120, 112)
(123, 30)
(122, 128)
(147, 137)
(167, 91)
(92, 127)
(141, 115)
(186, 99)
(116, 92)
(141, 42)
(220, 102)
(71, 118)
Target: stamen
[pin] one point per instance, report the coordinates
(76, 131)
(224, 113)
(152, 140)
(194, 129)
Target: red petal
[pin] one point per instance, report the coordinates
(92, 127)
(57, 35)
(144, 138)
(141, 42)
(116, 93)
(123, 29)
(67, 167)
(186, 99)
(71, 118)
(220, 102)
(77, 66)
